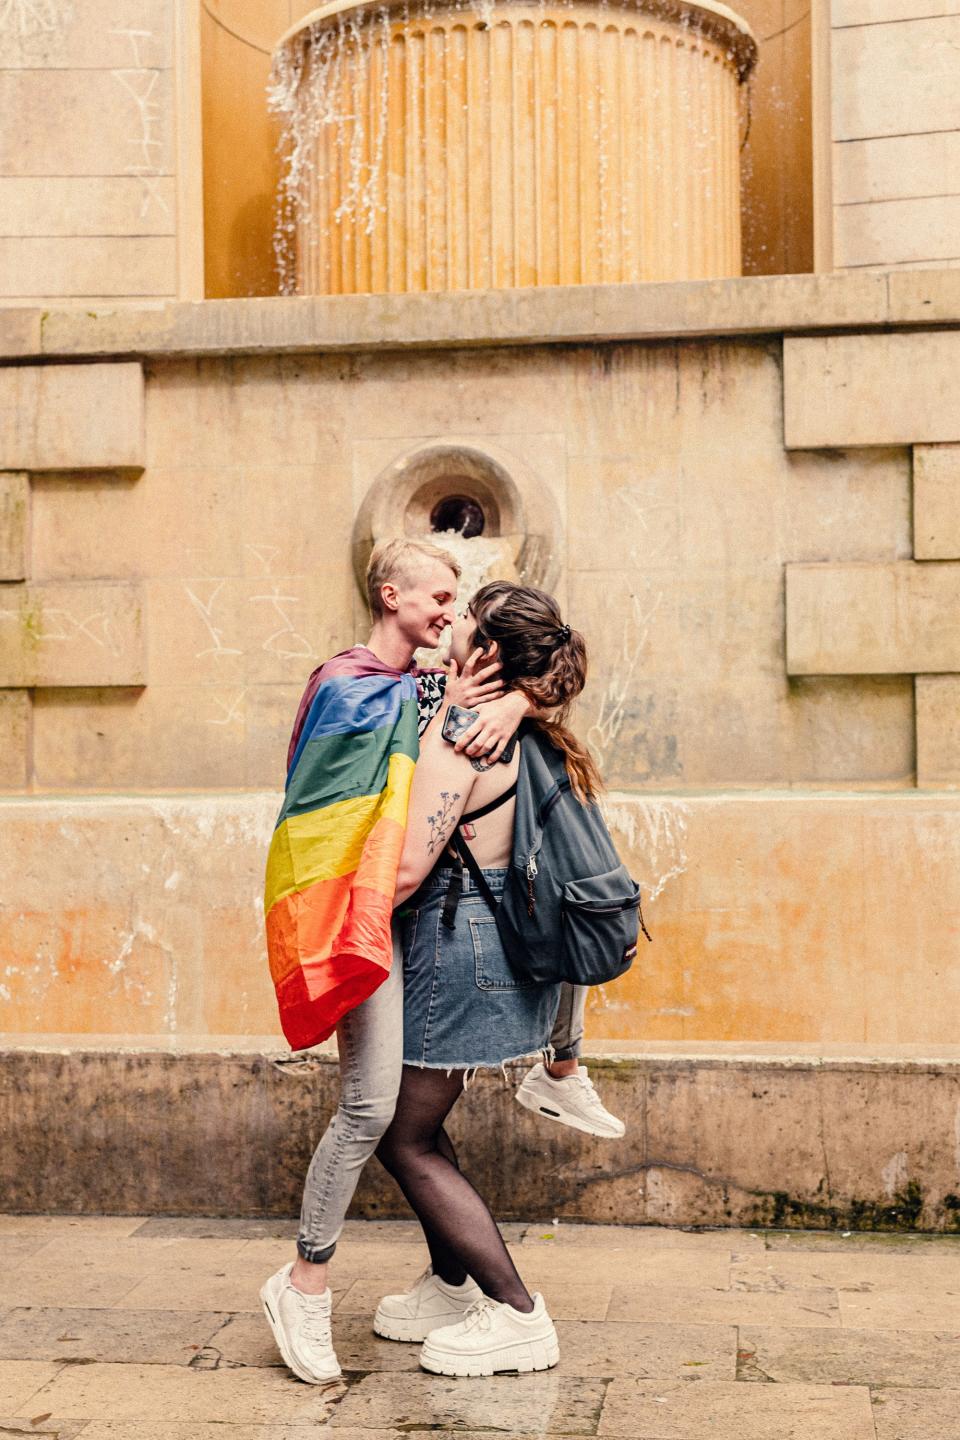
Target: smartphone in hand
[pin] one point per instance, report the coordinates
(457, 722)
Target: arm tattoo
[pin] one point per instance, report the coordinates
(440, 827)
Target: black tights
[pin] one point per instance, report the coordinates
(461, 1234)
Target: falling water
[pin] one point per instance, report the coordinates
(331, 87)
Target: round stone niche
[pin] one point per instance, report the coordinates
(487, 508)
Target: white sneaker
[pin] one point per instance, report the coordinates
(301, 1328)
(571, 1101)
(430, 1303)
(491, 1338)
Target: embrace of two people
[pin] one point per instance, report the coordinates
(377, 929)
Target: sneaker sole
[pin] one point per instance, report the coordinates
(277, 1331)
(391, 1327)
(522, 1358)
(573, 1122)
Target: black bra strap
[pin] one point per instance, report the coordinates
(488, 809)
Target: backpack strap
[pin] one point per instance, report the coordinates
(491, 805)
(463, 852)
(451, 901)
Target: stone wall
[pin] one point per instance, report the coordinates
(725, 1135)
(896, 132)
(100, 173)
(756, 530)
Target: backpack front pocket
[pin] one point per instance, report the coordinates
(601, 922)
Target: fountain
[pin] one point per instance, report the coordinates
(433, 145)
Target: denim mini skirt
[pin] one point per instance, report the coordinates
(463, 1004)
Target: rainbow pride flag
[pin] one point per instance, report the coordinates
(335, 852)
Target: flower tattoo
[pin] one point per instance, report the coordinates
(439, 823)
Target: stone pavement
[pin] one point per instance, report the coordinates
(131, 1329)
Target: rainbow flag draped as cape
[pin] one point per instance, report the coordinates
(335, 852)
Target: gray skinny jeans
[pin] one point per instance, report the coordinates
(370, 1044)
(567, 1037)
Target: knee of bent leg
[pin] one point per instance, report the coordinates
(370, 1115)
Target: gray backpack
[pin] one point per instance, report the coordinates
(569, 909)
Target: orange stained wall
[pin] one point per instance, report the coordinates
(240, 137)
(777, 160)
(240, 167)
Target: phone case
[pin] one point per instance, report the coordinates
(457, 722)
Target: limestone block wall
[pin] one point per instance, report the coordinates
(756, 531)
(887, 619)
(895, 81)
(100, 196)
(61, 633)
(678, 509)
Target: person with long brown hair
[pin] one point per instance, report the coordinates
(558, 1087)
(465, 1007)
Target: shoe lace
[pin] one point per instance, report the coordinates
(479, 1315)
(590, 1096)
(315, 1323)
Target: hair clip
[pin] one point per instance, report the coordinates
(563, 634)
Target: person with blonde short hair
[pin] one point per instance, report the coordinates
(331, 880)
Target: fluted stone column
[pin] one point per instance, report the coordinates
(444, 148)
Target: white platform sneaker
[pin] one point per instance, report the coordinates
(430, 1304)
(493, 1338)
(571, 1101)
(301, 1328)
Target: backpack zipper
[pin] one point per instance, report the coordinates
(532, 873)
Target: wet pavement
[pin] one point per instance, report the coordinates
(133, 1329)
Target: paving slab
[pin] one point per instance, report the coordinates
(683, 1352)
(743, 1336)
(724, 1307)
(49, 1225)
(125, 1253)
(62, 1429)
(699, 1268)
(917, 1414)
(158, 1337)
(841, 1240)
(862, 1271)
(16, 1248)
(194, 1227)
(19, 1379)
(193, 1430)
(542, 1404)
(142, 1392)
(85, 1283)
(233, 1289)
(613, 1239)
(900, 1310)
(641, 1408)
(89, 1271)
(246, 1340)
(400, 1260)
(848, 1357)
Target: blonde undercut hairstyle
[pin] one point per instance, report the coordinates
(401, 562)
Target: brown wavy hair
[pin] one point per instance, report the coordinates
(545, 659)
